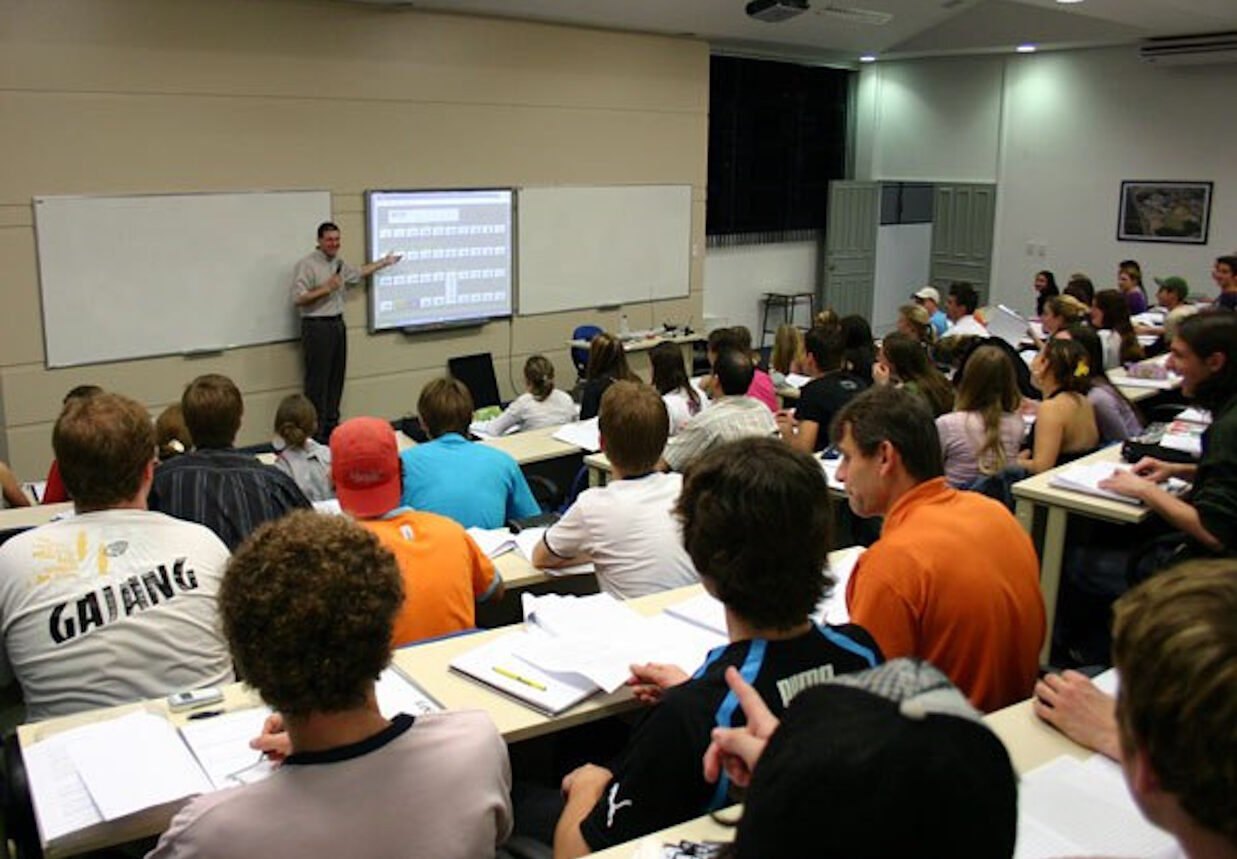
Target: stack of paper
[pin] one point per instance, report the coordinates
(1008, 324)
(1195, 416)
(1073, 808)
(1184, 436)
(329, 506)
(1086, 479)
(574, 646)
(583, 434)
(797, 380)
(140, 763)
(493, 541)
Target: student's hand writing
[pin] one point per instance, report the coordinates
(1073, 705)
(1126, 483)
(648, 681)
(736, 750)
(1155, 470)
(274, 741)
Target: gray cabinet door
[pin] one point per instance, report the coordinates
(850, 247)
(962, 222)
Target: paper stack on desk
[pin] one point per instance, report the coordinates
(583, 434)
(1086, 479)
(572, 647)
(141, 766)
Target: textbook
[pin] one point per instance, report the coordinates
(134, 771)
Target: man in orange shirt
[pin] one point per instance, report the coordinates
(445, 573)
(953, 578)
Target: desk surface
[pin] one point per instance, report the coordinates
(1038, 490)
(32, 516)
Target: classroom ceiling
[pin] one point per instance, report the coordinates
(838, 30)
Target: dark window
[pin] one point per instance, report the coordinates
(777, 136)
(906, 203)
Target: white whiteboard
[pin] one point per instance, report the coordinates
(133, 277)
(591, 247)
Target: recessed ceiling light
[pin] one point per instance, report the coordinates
(868, 58)
(1025, 49)
(1068, 2)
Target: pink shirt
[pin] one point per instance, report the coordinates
(762, 389)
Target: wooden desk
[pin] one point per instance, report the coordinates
(32, 516)
(638, 350)
(532, 446)
(1036, 500)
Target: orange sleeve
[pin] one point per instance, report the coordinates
(484, 575)
(876, 605)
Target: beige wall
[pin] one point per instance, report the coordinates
(156, 96)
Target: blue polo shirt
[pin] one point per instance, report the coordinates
(939, 321)
(473, 484)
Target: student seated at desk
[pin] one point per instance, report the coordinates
(1065, 426)
(832, 387)
(445, 574)
(889, 762)
(117, 603)
(473, 484)
(1116, 418)
(683, 401)
(541, 405)
(627, 527)
(984, 433)
(1171, 725)
(607, 363)
(733, 500)
(171, 434)
(953, 578)
(903, 361)
(730, 416)
(231, 493)
(308, 604)
(305, 460)
(739, 339)
(1110, 316)
(54, 492)
(1204, 352)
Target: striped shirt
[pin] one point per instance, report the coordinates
(229, 492)
(727, 419)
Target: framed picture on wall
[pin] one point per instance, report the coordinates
(1175, 212)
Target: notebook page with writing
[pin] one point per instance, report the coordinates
(221, 746)
(398, 693)
(496, 664)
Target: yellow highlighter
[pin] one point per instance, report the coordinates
(511, 675)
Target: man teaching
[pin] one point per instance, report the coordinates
(318, 293)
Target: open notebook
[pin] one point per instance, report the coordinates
(139, 768)
(1086, 478)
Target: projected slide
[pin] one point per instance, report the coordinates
(456, 257)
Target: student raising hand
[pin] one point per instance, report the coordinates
(736, 750)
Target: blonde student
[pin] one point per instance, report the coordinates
(541, 404)
(300, 457)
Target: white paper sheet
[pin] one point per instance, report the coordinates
(493, 541)
(397, 693)
(221, 745)
(496, 664)
(61, 802)
(583, 434)
(135, 762)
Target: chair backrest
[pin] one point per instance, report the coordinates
(477, 374)
(579, 355)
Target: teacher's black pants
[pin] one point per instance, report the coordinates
(324, 347)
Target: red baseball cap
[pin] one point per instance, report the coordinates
(365, 467)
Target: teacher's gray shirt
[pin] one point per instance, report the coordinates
(315, 270)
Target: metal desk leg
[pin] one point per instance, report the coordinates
(1050, 573)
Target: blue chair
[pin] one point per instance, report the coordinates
(579, 355)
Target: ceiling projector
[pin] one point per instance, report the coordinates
(772, 11)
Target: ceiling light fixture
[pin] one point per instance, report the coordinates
(1025, 49)
(868, 58)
